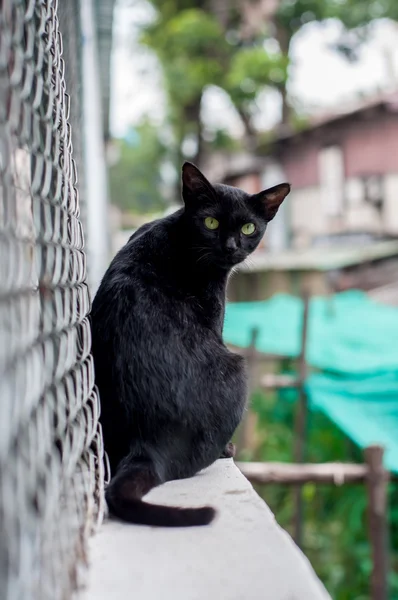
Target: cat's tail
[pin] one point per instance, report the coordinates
(124, 496)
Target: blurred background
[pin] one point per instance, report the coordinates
(100, 103)
(256, 92)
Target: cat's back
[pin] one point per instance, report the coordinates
(138, 300)
(144, 248)
(136, 266)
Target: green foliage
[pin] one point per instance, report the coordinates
(252, 69)
(134, 180)
(291, 16)
(196, 51)
(220, 140)
(354, 15)
(335, 525)
(191, 49)
(202, 44)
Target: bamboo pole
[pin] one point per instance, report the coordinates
(299, 474)
(334, 473)
(301, 425)
(377, 482)
(279, 382)
(247, 429)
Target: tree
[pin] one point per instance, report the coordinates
(134, 178)
(202, 43)
(198, 47)
(286, 17)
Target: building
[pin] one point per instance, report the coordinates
(344, 173)
(338, 229)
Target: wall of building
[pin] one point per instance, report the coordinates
(390, 213)
(300, 163)
(369, 148)
(247, 287)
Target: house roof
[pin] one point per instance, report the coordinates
(223, 166)
(387, 103)
(320, 259)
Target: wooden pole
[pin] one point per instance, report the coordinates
(377, 482)
(292, 474)
(301, 424)
(247, 429)
(279, 382)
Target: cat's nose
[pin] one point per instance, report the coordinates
(230, 245)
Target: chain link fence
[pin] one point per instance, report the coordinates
(51, 474)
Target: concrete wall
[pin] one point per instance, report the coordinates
(242, 555)
(308, 217)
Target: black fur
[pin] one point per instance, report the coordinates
(171, 393)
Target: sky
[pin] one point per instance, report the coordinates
(320, 78)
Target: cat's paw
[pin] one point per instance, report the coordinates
(229, 451)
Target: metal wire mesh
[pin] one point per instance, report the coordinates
(51, 473)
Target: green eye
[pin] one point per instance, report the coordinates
(248, 229)
(211, 223)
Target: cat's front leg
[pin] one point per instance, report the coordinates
(229, 451)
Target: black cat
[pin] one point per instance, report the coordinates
(171, 393)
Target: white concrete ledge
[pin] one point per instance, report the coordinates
(242, 555)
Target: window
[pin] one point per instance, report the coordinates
(331, 179)
(373, 185)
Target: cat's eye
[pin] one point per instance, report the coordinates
(211, 223)
(248, 228)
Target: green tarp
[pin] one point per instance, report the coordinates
(347, 333)
(353, 340)
(365, 409)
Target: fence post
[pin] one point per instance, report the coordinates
(246, 433)
(301, 424)
(377, 482)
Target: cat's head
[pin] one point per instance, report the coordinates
(226, 224)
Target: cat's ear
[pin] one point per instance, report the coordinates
(270, 200)
(194, 182)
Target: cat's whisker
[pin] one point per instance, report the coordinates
(248, 262)
(204, 257)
